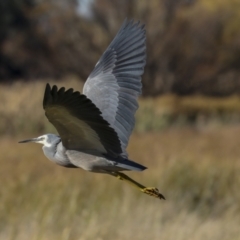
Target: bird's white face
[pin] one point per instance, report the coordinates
(44, 139)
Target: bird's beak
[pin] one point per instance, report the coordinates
(30, 140)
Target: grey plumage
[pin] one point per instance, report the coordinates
(95, 126)
(116, 79)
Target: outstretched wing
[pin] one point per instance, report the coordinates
(79, 122)
(115, 83)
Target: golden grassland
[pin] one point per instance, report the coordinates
(197, 168)
(21, 109)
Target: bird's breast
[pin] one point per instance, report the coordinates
(57, 155)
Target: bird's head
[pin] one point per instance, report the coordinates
(47, 140)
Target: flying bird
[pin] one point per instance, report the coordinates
(94, 127)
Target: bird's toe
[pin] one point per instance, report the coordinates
(152, 191)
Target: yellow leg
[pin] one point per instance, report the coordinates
(152, 191)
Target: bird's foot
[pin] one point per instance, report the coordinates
(152, 191)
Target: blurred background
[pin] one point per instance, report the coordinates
(187, 127)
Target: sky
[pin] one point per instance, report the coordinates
(84, 8)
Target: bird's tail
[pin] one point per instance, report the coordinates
(130, 165)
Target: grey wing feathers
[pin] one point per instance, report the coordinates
(79, 122)
(115, 83)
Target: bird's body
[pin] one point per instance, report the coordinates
(90, 161)
(95, 126)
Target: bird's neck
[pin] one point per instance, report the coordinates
(50, 151)
(57, 154)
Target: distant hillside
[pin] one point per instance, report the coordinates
(192, 46)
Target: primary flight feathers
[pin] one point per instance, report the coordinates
(115, 83)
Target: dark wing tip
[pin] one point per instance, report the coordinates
(79, 106)
(54, 89)
(47, 95)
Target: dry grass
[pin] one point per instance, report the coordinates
(21, 109)
(196, 168)
(171, 110)
(21, 106)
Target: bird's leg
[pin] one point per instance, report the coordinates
(152, 191)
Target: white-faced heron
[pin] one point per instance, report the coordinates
(95, 126)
